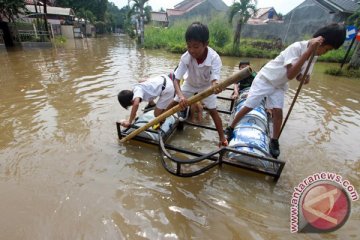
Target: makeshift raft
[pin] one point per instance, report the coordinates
(248, 148)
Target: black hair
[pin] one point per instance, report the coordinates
(125, 98)
(197, 32)
(244, 62)
(333, 34)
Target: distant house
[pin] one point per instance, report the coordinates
(191, 8)
(55, 15)
(303, 21)
(160, 19)
(264, 15)
(310, 15)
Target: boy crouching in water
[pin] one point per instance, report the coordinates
(200, 67)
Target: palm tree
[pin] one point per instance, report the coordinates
(355, 59)
(243, 11)
(140, 6)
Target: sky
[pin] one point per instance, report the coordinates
(281, 6)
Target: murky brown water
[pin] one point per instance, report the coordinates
(64, 175)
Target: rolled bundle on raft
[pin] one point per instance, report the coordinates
(145, 118)
(251, 134)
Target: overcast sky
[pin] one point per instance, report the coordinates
(281, 6)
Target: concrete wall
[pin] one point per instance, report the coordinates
(301, 23)
(204, 10)
(27, 45)
(67, 31)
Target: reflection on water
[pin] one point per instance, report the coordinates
(62, 166)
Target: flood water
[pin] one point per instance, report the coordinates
(64, 174)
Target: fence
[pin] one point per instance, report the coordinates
(33, 36)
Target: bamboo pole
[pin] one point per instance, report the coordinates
(242, 74)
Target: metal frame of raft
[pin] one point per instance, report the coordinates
(205, 161)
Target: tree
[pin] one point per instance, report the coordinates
(147, 13)
(355, 59)
(86, 14)
(118, 15)
(11, 9)
(97, 7)
(243, 11)
(139, 5)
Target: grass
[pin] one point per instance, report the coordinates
(172, 39)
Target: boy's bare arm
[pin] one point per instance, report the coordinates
(134, 108)
(236, 91)
(293, 70)
(183, 101)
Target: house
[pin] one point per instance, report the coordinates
(160, 19)
(310, 15)
(264, 15)
(55, 15)
(304, 20)
(191, 8)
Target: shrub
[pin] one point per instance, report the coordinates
(344, 73)
(334, 56)
(220, 32)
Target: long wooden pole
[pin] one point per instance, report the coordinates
(299, 88)
(242, 74)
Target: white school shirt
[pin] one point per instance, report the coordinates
(199, 76)
(275, 70)
(152, 88)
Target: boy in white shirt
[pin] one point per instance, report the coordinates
(200, 67)
(161, 86)
(272, 80)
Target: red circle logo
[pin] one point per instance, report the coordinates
(325, 207)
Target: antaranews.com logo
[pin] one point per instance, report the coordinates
(321, 203)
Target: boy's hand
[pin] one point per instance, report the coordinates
(183, 102)
(217, 89)
(234, 95)
(125, 123)
(307, 78)
(314, 42)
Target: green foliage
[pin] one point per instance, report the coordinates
(100, 27)
(220, 32)
(98, 11)
(119, 15)
(23, 26)
(60, 41)
(11, 9)
(147, 12)
(354, 19)
(173, 40)
(344, 73)
(334, 55)
(97, 7)
(86, 14)
(243, 9)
